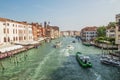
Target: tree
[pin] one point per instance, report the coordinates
(111, 25)
(101, 31)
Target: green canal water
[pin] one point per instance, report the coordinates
(49, 63)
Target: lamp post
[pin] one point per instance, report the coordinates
(112, 46)
(102, 48)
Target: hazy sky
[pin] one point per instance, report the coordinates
(67, 14)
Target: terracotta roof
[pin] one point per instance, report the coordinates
(5, 19)
(94, 28)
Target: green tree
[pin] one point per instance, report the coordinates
(101, 31)
(111, 25)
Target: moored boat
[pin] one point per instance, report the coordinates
(108, 60)
(83, 60)
(86, 44)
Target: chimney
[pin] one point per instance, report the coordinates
(45, 24)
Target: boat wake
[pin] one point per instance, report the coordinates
(70, 47)
(38, 69)
(65, 51)
(98, 76)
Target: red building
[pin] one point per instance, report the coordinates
(37, 31)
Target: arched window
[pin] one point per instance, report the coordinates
(8, 39)
(20, 38)
(5, 39)
(16, 38)
(4, 30)
(13, 38)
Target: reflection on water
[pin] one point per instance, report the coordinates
(48, 63)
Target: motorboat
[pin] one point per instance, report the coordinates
(57, 44)
(84, 61)
(86, 44)
(73, 41)
(105, 59)
(70, 47)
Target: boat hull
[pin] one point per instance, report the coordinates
(109, 61)
(81, 63)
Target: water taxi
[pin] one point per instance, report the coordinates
(57, 44)
(83, 60)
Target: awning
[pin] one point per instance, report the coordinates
(27, 42)
(41, 39)
(10, 48)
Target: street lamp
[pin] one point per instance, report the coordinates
(112, 46)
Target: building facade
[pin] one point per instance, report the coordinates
(37, 31)
(70, 33)
(117, 37)
(110, 32)
(54, 32)
(88, 33)
(13, 31)
(76, 33)
(64, 33)
(51, 32)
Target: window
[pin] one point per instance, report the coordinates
(8, 39)
(19, 38)
(5, 39)
(119, 25)
(4, 24)
(119, 22)
(13, 38)
(13, 25)
(7, 24)
(4, 30)
(112, 30)
(119, 28)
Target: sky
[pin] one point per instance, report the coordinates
(67, 14)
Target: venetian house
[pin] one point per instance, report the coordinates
(88, 33)
(13, 31)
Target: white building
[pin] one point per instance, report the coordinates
(110, 32)
(13, 31)
(88, 33)
(64, 33)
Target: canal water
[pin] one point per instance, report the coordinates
(49, 63)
